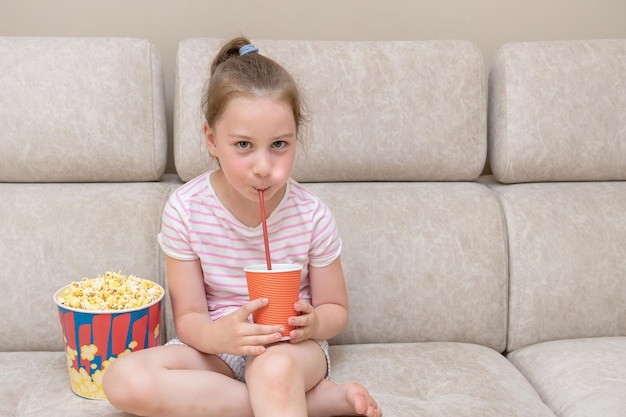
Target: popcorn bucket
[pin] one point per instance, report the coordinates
(94, 338)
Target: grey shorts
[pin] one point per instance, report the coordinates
(237, 364)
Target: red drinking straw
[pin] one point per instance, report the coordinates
(268, 258)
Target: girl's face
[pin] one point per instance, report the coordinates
(255, 143)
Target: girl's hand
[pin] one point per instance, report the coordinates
(306, 323)
(237, 336)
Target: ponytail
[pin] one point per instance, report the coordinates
(229, 50)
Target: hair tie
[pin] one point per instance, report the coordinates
(246, 49)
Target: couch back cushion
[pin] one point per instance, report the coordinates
(81, 110)
(566, 252)
(423, 261)
(557, 111)
(380, 111)
(53, 234)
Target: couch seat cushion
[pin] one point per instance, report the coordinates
(578, 377)
(437, 379)
(407, 379)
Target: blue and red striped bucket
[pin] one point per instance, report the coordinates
(93, 339)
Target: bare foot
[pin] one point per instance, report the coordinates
(329, 399)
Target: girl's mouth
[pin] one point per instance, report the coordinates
(262, 191)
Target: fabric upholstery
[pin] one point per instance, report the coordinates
(557, 137)
(557, 111)
(81, 110)
(37, 384)
(438, 379)
(380, 111)
(578, 378)
(566, 260)
(423, 262)
(451, 379)
(54, 234)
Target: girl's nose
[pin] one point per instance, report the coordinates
(262, 165)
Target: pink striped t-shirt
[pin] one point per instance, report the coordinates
(195, 224)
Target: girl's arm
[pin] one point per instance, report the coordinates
(328, 314)
(231, 334)
(191, 314)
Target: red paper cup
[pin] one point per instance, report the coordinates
(94, 338)
(281, 286)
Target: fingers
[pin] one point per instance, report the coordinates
(305, 323)
(253, 306)
(256, 342)
(303, 307)
(257, 329)
(304, 319)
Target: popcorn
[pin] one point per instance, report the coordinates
(111, 291)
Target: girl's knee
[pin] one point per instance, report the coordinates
(274, 364)
(124, 381)
(275, 368)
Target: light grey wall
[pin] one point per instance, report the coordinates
(488, 23)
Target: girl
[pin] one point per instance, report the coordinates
(224, 365)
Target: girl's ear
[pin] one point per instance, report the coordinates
(209, 139)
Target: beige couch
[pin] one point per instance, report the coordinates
(502, 295)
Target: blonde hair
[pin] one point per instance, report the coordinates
(249, 75)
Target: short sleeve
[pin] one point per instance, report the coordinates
(326, 242)
(174, 236)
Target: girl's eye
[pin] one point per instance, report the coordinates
(243, 144)
(279, 144)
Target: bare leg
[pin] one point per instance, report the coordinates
(175, 381)
(180, 381)
(278, 380)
